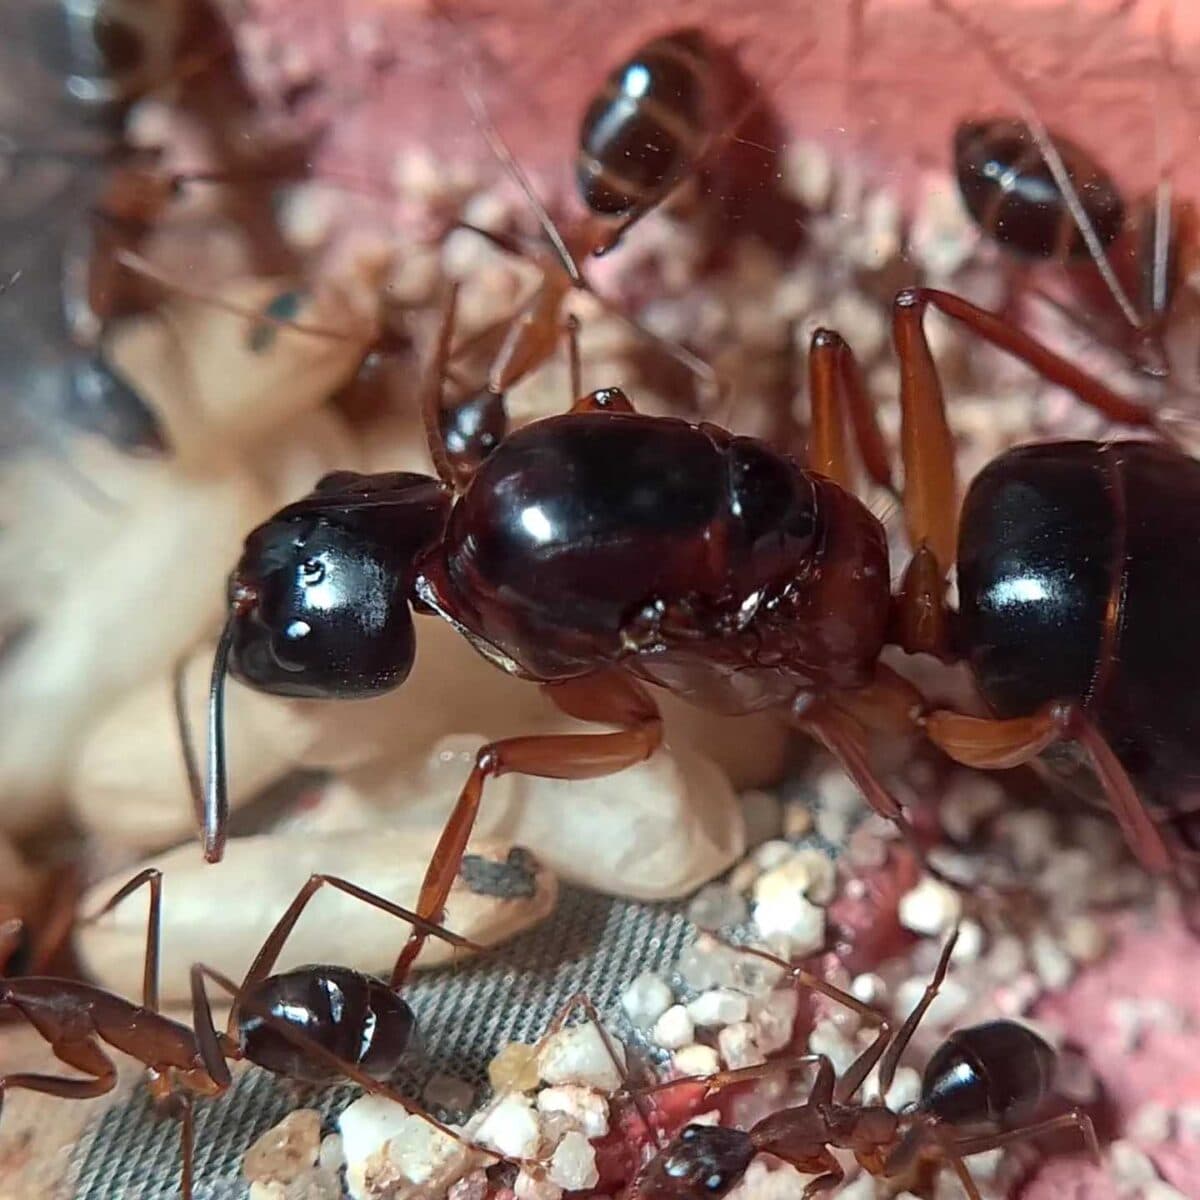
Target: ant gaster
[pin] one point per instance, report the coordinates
(980, 1090)
(601, 551)
(316, 1024)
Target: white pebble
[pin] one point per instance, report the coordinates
(1054, 965)
(674, 1029)
(716, 907)
(528, 1187)
(808, 872)
(719, 1007)
(646, 999)
(737, 1046)
(869, 988)
(588, 1108)
(809, 172)
(1130, 1166)
(969, 800)
(833, 825)
(828, 1039)
(706, 963)
(797, 821)
(696, 1060)
(970, 942)
(573, 1166)
(1151, 1124)
(1187, 1122)
(905, 1089)
(449, 1093)
(1084, 939)
(773, 853)
(790, 916)
(774, 1020)
(511, 1127)
(579, 1054)
(1030, 833)
(1159, 1189)
(948, 1005)
(414, 1149)
(931, 907)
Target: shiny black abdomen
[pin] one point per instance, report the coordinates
(640, 134)
(1009, 189)
(995, 1073)
(576, 523)
(1077, 568)
(354, 1016)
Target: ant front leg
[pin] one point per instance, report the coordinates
(607, 697)
(152, 878)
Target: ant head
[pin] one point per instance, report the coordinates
(702, 1160)
(319, 603)
(319, 599)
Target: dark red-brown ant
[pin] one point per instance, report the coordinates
(664, 116)
(1043, 198)
(316, 1024)
(600, 551)
(980, 1090)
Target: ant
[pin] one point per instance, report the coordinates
(313, 1024)
(980, 1089)
(601, 551)
(662, 117)
(1042, 197)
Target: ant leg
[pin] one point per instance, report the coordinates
(836, 388)
(861, 1067)
(993, 744)
(607, 697)
(831, 1177)
(887, 1069)
(268, 954)
(843, 735)
(573, 362)
(153, 878)
(84, 1055)
(965, 1147)
(821, 1092)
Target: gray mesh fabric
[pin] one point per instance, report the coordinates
(592, 944)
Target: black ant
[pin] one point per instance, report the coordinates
(601, 551)
(314, 1024)
(980, 1090)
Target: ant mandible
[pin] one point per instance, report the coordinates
(601, 551)
(314, 1024)
(979, 1091)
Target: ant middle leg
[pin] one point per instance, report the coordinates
(606, 697)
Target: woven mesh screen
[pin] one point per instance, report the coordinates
(593, 944)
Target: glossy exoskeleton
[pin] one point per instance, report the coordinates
(1009, 189)
(1141, 254)
(648, 126)
(314, 1024)
(601, 551)
(981, 1089)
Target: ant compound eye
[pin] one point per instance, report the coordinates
(312, 572)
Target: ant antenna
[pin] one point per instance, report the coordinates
(573, 361)
(1048, 150)
(508, 161)
(216, 791)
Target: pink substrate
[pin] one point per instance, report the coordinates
(884, 81)
(1150, 978)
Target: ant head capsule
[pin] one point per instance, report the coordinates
(320, 596)
(319, 612)
(319, 603)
